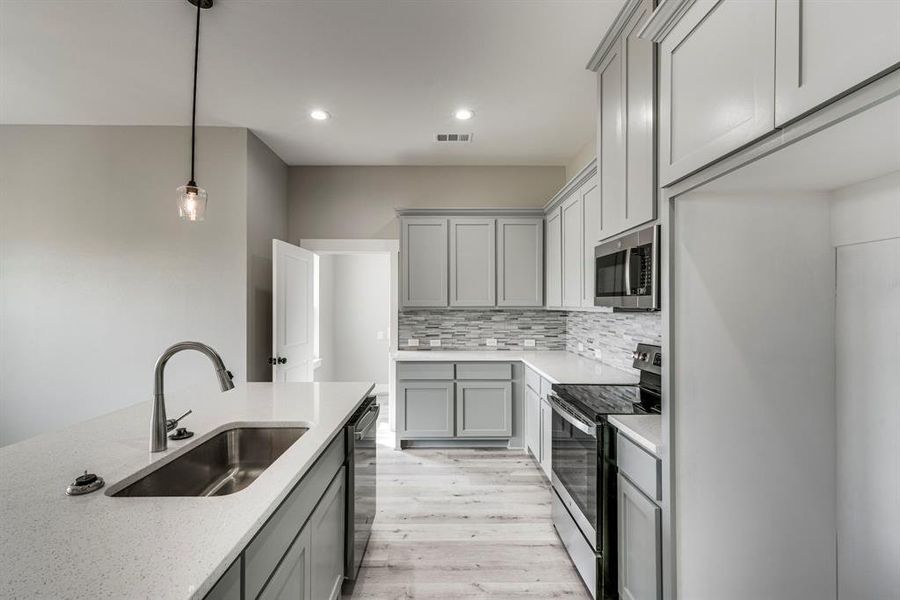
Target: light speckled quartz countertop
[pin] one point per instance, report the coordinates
(644, 430)
(97, 546)
(557, 366)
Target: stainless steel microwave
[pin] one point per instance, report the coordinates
(626, 271)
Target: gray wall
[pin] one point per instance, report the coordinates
(266, 220)
(753, 397)
(359, 202)
(99, 274)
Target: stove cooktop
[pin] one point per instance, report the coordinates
(596, 401)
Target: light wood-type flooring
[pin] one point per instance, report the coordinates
(463, 524)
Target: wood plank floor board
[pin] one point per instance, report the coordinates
(463, 524)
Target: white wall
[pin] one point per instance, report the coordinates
(866, 233)
(266, 220)
(326, 275)
(360, 202)
(585, 154)
(362, 288)
(98, 275)
(753, 397)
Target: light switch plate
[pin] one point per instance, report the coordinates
(598, 355)
(412, 342)
(580, 347)
(490, 342)
(434, 343)
(529, 343)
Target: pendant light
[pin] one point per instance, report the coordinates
(191, 197)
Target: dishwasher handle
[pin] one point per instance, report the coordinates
(367, 422)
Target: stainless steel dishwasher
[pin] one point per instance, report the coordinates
(361, 472)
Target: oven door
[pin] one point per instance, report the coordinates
(574, 462)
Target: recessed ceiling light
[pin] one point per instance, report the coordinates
(464, 114)
(319, 115)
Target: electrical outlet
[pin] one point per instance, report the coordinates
(529, 343)
(598, 355)
(412, 342)
(490, 342)
(379, 335)
(434, 343)
(580, 347)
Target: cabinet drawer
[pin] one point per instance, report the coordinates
(484, 371)
(424, 370)
(266, 549)
(533, 380)
(546, 387)
(641, 467)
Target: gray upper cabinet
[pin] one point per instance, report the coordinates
(572, 251)
(472, 262)
(626, 87)
(326, 533)
(717, 83)
(591, 205)
(484, 409)
(520, 261)
(425, 409)
(826, 48)
(553, 264)
(640, 544)
(423, 262)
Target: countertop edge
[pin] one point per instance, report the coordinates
(647, 444)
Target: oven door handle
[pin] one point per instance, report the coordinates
(565, 413)
(628, 271)
(366, 423)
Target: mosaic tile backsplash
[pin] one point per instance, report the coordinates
(614, 334)
(468, 329)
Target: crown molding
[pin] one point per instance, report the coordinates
(588, 171)
(612, 34)
(470, 212)
(663, 19)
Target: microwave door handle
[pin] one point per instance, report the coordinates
(627, 272)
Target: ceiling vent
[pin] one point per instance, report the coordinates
(453, 137)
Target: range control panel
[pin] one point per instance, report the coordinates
(647, 357)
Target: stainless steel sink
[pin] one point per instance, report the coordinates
(223, 464)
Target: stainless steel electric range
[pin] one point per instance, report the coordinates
(584, 470)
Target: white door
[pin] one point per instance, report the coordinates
(293, 312)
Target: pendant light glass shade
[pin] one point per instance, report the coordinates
(191, 202)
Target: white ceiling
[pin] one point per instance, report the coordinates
(391, 73)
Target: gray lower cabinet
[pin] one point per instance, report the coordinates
(229, 585)
(291, 580)
(425, 409)
(533, 422)
(640, 544)
(484, 409)
(546, 436)
(326, 539)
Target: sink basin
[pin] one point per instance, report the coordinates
(224, 464)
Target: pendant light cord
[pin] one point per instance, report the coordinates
(194, 107)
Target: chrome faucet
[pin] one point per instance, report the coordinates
(158, 420)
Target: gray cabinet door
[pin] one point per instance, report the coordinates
(326, 540)
(826, 48)
(611, 142)
(640, 100)
(484, 409)
(473, 251)
(546, 436)
(710, 107)
(533, 422)
(553, 264)
(423, 261)
(425, 409)
(572, 250)
(520, 262)
(292, 579)
(229, 585)
(640, 544)
(591, 207)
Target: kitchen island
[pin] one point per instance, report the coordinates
(98, 546)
